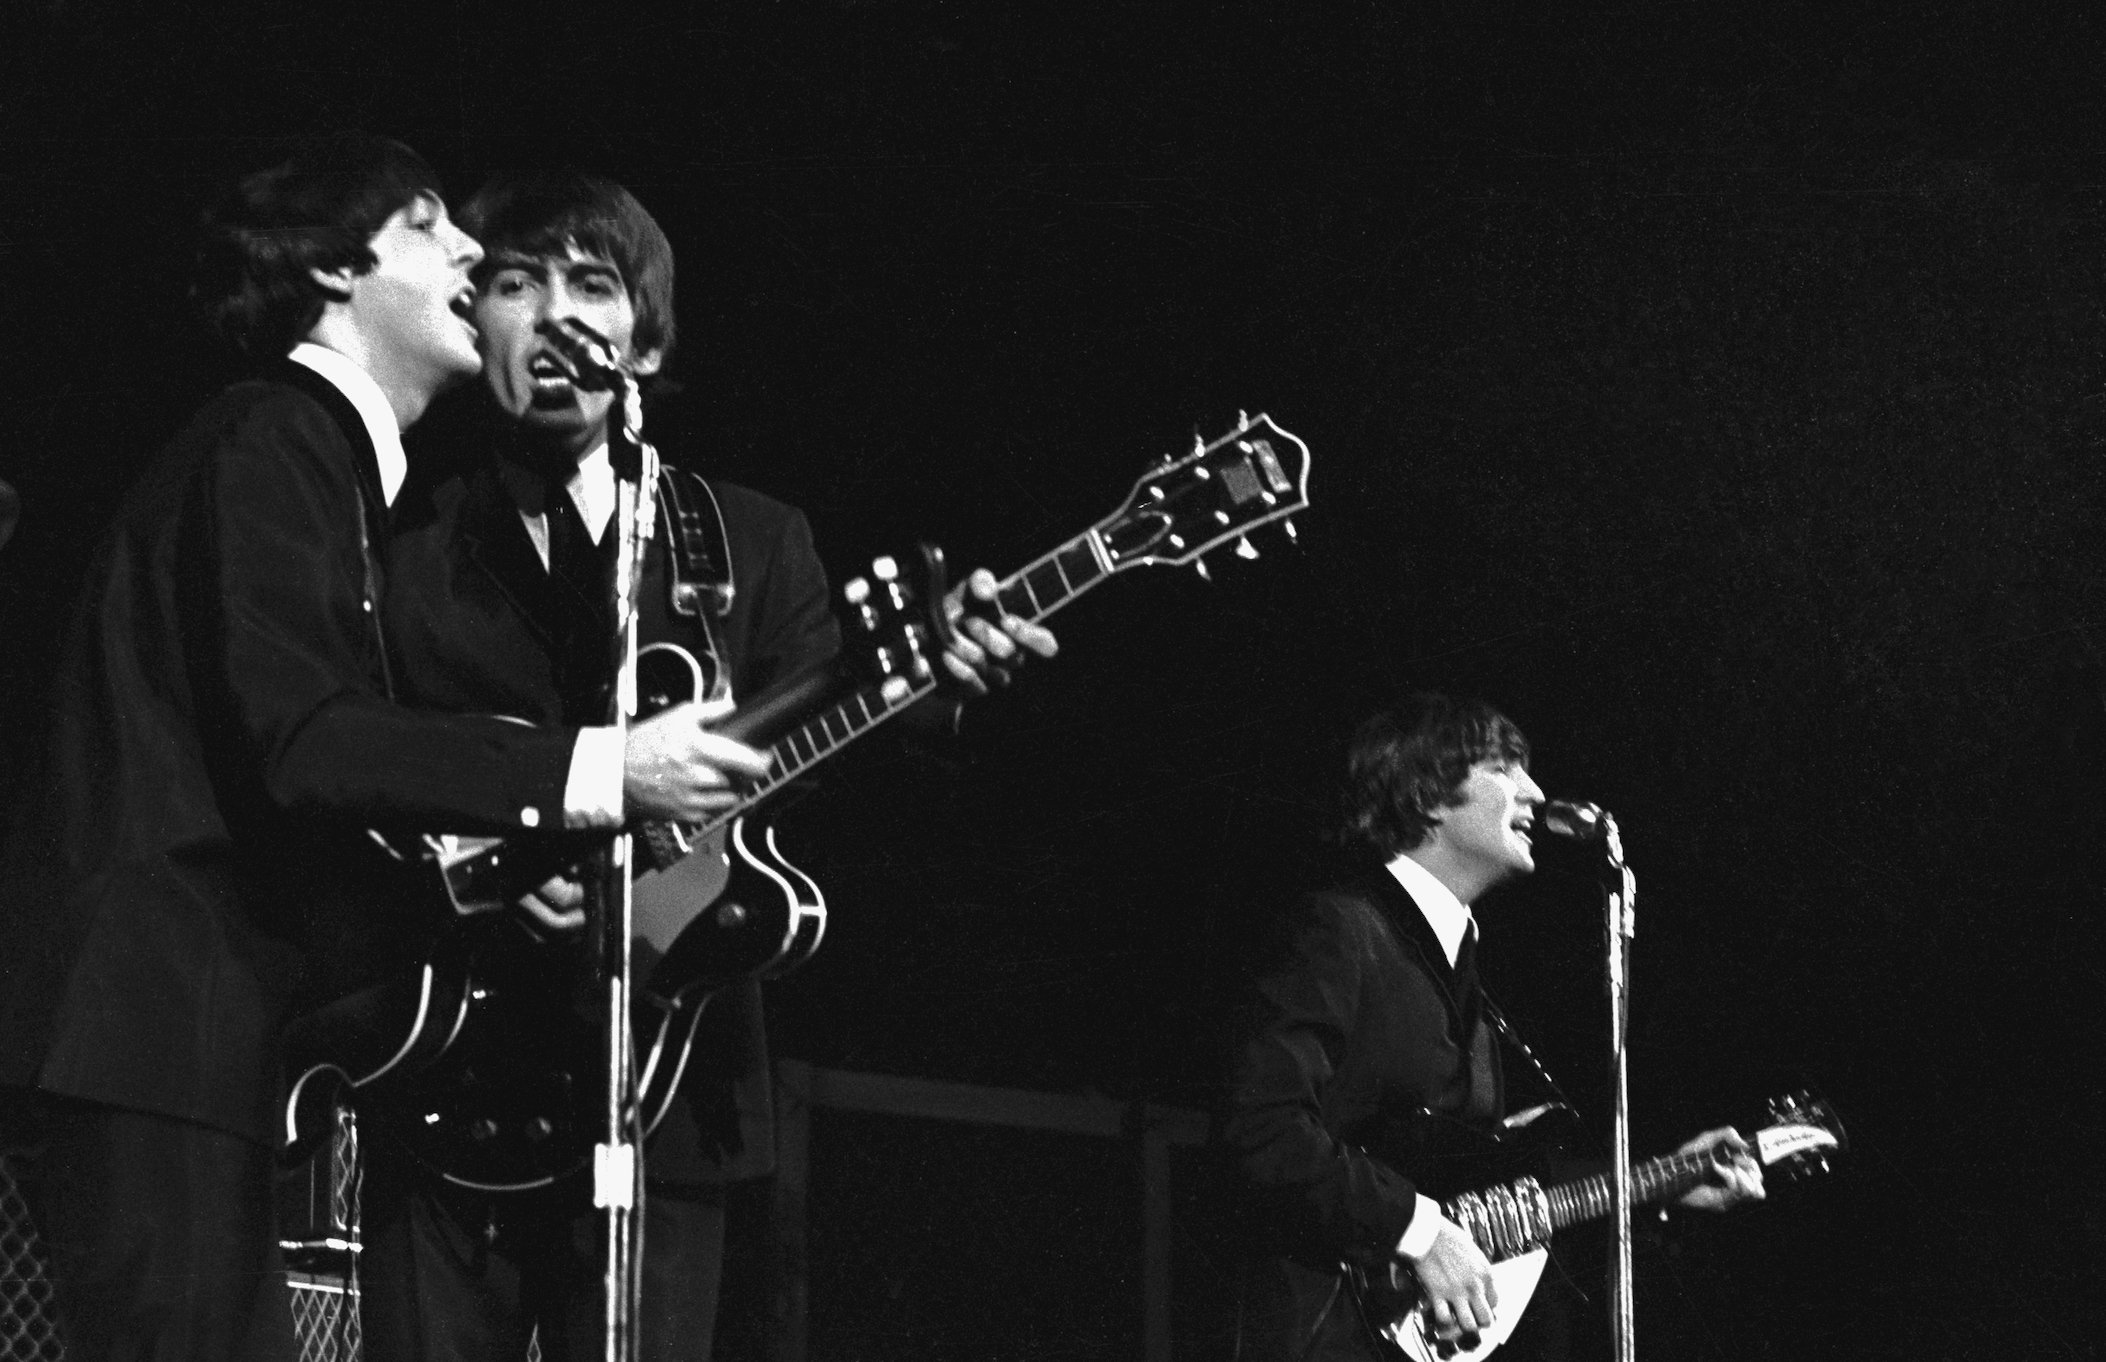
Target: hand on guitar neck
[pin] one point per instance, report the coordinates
(988, 643)
(1735, 1175)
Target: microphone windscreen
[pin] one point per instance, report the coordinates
(1575, 822)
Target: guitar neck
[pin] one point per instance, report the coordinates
(1033, 592)
(1573, 1203)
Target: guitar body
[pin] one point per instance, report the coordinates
(1512, 1223)
(368, 1039)
(1407, 1332)
(500, 1090)
(732, 907)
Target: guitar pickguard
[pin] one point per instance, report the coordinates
(1514, 1281)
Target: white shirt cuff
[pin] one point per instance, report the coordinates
(592, 796)
(1419, 1234)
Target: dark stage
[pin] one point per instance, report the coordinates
(1722, 397)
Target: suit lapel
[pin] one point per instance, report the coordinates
(1413, 931)
(498, 546)
(365, 460)
(1415, 934)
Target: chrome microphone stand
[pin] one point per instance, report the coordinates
(1619, 894)
(617, 1163)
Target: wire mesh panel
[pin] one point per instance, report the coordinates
(318, 1215)
(325, 1313)
(28, 1322)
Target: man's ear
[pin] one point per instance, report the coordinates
(644, 363)
(336, 284)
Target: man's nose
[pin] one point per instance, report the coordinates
(467, 251)
(558, 302)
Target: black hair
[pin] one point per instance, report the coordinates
(318, 209)
(1409, 760)
(546, 213)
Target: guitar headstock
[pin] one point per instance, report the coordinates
(900, 620)
(1186, 507)
(1803, 1135)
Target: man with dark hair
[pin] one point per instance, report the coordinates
(1367, 1026)
(192, 862)
(489, 611)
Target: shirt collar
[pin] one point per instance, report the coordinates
(372, 407)
(1448, 916)
(592, 490)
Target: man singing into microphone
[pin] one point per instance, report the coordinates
(1367, 1026)
(498, 581)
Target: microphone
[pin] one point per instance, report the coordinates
(1574, 822)
(595, 364)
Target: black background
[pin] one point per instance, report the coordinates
(1719, 396)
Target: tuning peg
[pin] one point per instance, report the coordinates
(1199, 565)
(1245, 549)
(1199, 443)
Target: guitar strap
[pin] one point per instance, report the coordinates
(1504, 1029)
(699, 582)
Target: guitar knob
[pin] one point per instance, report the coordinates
(540, 1128)
(482, 1128)
(731, 915)
(884, 568)
(855, 591)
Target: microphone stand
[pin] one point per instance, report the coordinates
(1619, 892)
(617, 1163)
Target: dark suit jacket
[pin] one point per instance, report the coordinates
(191, 862)
(1355, 1030)
(473, 621)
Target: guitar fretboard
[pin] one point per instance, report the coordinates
(1589, 1198)
(1033, 592)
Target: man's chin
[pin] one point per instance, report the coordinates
(551, 415)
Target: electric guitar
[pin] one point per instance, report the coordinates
(480, 1061)
(1512, 1223)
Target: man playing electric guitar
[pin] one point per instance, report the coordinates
(1366, 1022)
(498, 588)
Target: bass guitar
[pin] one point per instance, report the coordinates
(1512, 1223)
(480, 1062)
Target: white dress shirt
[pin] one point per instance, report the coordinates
(370, 402)
(592, 794)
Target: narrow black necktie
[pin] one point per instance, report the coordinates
(581, 571)
(1469, 1006)
(1468, 997)
(572, 555)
